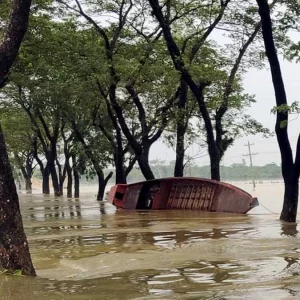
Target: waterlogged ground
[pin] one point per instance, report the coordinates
(83, 249)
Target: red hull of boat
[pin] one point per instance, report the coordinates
(182, 193)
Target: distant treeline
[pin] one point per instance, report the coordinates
(235, 172)
(228, 173)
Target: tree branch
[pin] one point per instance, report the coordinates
(130, 165)
(90, 20)
(141, 111)
(209, 30)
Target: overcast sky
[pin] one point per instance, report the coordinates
(258, 83)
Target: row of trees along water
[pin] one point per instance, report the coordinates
(97, 83)
(161, 169)
(94, 85)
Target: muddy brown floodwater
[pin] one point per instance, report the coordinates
(83, 249)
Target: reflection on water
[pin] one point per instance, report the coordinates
(84, 249)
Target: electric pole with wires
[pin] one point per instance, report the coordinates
(250, 154)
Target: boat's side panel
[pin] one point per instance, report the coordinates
(116, 195)
(162, 195)
(111, 194)
(131, 196)
(191, 194)
(231, 200)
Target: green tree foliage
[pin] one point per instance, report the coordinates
(21, 141)
(100, 72)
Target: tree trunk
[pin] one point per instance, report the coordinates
(55, 183)
(141, 150)
(290, 203)
(76, 183)
(102, 183)
(29, 171)
(14, 251)
(119, 166)
(46, 186)
(143, 160)
(13, 36)
(61, 178)
(28, 184)
(180, 131)
(44, 170)
(213, 152)
(195, 88)
(290, 171)
(25, 170)
(70, 181)
(215, 167)
(19, 183)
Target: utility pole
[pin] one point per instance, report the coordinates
(250, 154)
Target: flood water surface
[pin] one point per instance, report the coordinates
(83, 249)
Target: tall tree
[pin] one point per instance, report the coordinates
(186, 57)
(91, 148)
(290, 167)
(14, 250)
(121, 85)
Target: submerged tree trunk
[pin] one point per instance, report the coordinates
(101, 186)
(26, 170)
(69, 187)
(29, 171)
(46, 186)
(55, 183)
(76, 183)
(76, 177)
(28, 184)
(14, 251)
(102, 182)
(44, 170)
(70, 181)
(290, 202)
(61, 178)
(291, 188)
(290, 170)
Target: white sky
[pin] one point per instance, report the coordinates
(259, 83)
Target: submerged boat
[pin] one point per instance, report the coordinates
(182, 193)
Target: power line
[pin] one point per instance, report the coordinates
(250, 154)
